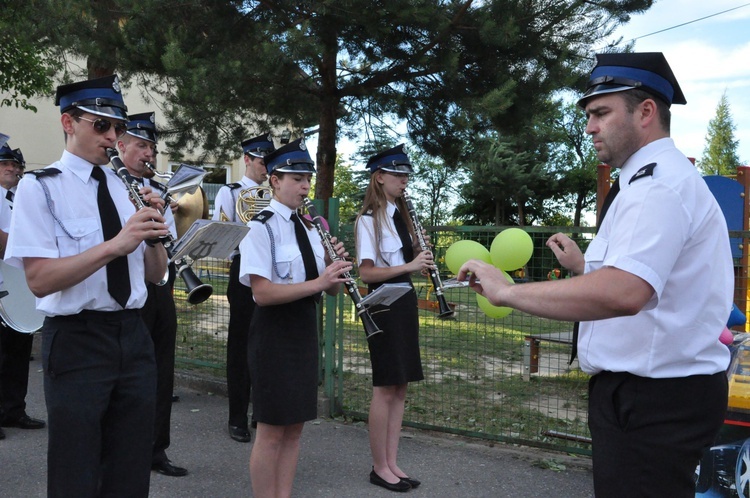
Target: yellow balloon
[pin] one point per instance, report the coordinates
(491, 310)
(462, 251)
(511, 249)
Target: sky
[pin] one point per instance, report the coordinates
(709, 53)
(708, 57)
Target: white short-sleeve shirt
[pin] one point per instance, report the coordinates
(256, 249)
(390, 243)
(668, 230)
(67, 223)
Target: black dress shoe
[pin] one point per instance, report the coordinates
(165, 467)
(400, 486)
(240, 434)
(24, 422)
(414, 483)
(2, 434)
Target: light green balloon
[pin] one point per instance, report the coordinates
(494, 311)
(511, 249)
(462, 251)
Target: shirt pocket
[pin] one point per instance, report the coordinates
(389, 247)
(78, 235)
(286, 264)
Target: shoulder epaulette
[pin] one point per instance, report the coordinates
(367, 213)
(647, 170)
(233, 186)
(263, 216)
(39, 173)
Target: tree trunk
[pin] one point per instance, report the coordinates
(329, 101)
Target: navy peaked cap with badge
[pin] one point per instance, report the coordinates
(259, 146)
(648, 71)
(393, 160)
(100, 96)
(8, 154)
(143, 126)
(291, 158)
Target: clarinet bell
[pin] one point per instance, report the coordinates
(197, 291)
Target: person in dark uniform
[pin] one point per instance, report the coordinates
(15, 346)
(137, 147)
(284, 260)
(388, 252)
(87, 262)
(240, 297)
(653, 291)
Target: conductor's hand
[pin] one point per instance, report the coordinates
(567, 253)
(145, 224)
(493, 284)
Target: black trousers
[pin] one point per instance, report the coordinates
(241, 307)
(160, 316)
(100, 389)
(15, 352)
(648, 434)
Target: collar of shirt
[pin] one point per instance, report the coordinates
(640, 158)
(390, 208)
(247, 182)
(78, 166)
(281, 209)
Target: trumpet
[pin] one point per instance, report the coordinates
(197, 290)
(445, 311)
(371, 328)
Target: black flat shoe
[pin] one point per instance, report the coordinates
(24, 422)
(165, 467)
(400, 486)
(2, 434)
(240, 434)
(414, 483)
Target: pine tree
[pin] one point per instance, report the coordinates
(720, 153)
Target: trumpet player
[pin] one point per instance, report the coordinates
(240, 297)
(138, 147)
(87, 262)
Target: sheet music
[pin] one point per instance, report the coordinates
(208, 238)
(386, 294)
(186, 179)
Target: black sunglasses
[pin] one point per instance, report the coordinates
(103, 125)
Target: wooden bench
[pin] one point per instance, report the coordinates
(531, 349)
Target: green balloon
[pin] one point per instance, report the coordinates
(490, 310)
(462, 251)
(511, 249)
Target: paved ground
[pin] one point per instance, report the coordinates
(334, 460)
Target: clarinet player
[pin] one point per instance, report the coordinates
(387, 253)
(87, 263)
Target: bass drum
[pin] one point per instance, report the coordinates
(192, 206)
(18, 308)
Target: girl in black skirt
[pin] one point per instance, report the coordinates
(386, 253)
(285, 263)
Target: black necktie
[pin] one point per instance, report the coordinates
(10, 195)
(308, 256)
(613, 191)
(118, 277)
(403, 233)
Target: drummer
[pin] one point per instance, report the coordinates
(15, 346)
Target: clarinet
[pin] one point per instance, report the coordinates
(371, 328)
(445, 310)
(197, 291)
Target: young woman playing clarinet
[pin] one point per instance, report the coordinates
(285, 263)
(386, 253)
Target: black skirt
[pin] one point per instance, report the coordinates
(394, 354)
(283, 360)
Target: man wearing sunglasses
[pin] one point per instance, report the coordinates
(137, 147)
(87, 261)
(15, 346)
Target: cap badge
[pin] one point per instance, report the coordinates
(116, 84)
(302, 146)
